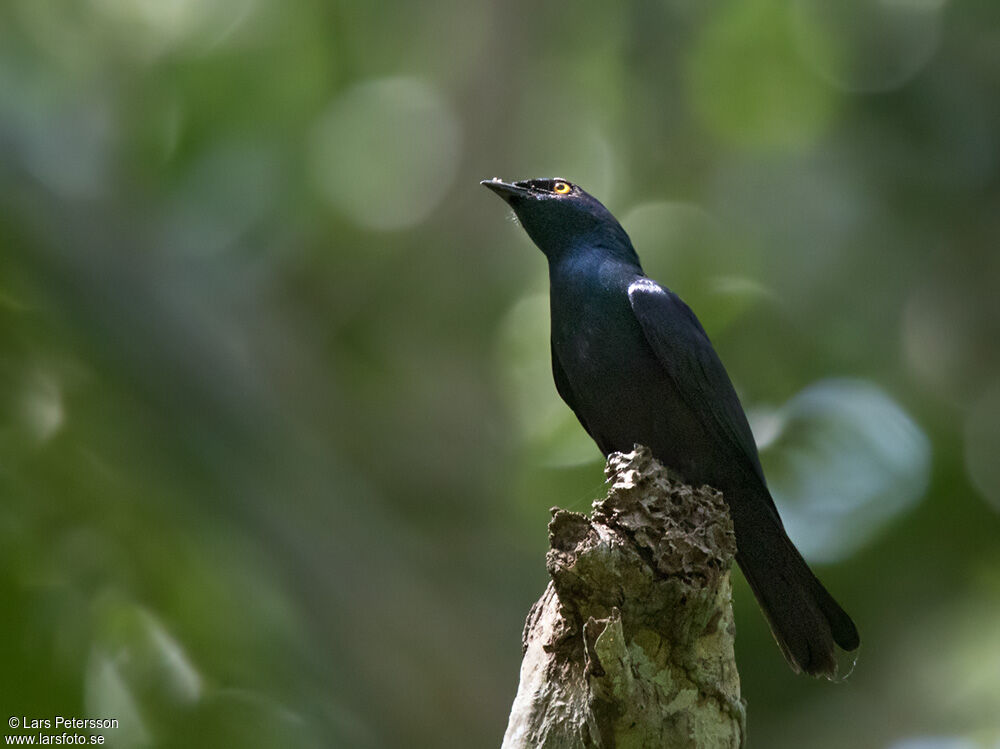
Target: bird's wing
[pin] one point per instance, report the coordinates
(687, 355)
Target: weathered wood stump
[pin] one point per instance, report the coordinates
(631, 645)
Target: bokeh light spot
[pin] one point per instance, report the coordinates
(871, 46)
(152, 26)
(386, 151)
(847, 460)
(748, 84)
(106, 693)
(41, 407)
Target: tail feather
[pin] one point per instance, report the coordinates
(805, 619)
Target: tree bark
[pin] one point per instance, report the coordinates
(631, 645)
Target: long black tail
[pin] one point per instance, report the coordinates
(804, 618)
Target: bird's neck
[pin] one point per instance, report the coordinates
(590, 261)
(588, 291)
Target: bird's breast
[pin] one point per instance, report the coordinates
(603, 349)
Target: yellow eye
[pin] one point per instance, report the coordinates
(561, 188)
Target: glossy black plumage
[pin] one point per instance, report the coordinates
(635, 365)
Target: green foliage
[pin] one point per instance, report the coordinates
(278, 436)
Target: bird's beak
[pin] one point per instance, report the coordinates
(505, 190)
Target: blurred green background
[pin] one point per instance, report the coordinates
(279, 437)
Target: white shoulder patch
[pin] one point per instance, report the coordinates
(646, 285)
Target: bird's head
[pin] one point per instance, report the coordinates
(561, 217)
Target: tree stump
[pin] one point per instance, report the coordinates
(631, 645)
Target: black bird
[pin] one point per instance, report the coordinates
(635, 365)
